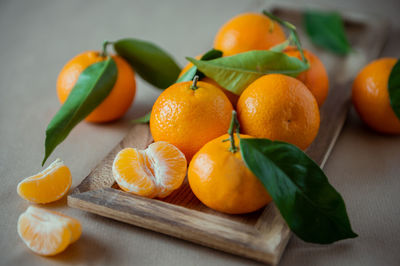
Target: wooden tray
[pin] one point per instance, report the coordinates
(261, 235)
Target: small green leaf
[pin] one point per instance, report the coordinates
(152, 63)
(236, 72)
(326, 29)
(143, 119)
(394, 88)
(312, 208)
(191, 72)
(93, 86)
(211, 54)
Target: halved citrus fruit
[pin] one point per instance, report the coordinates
(47, 186)
(46, 232)
(153, 172)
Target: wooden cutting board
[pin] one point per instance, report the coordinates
(261, 235)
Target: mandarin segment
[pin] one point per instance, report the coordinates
(132, 172)
(47, 186)
(221, 180)
(154, 172)
(189, 118)
(121, 96)
(279, 107)
(371, 97)
(246, 32)
(46, 232)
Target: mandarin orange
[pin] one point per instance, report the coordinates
(246, 32)
(189, 114)
(117, 103)
(279, 107)
(221, 180)
(371, 97)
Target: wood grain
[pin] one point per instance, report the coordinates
(261, 235)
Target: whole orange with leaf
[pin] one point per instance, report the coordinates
(246, 32)
(279, 107)
(315, 78)
(121, 96)
(189, 114)
(220, 179)
(371, 97)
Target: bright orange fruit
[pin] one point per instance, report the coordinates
(371, 96)
(46, 232)
(154, 172)
(188, 117)
(47, 186)
(279, 107)
(120, 98)
(221, 180)
(246, 32)
(315, 78)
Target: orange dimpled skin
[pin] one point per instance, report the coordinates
(221, 180)
(189, 118)
(315, 78)
(279, 107)
(246, 32)
(120, 98)
(371, 97)
(46, 232)
(154, 172)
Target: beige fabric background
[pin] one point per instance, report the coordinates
(38, 37)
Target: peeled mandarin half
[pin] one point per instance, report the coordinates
(46, 232)
(153, 172)
(47, 186)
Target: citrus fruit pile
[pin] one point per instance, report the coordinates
(236, 121)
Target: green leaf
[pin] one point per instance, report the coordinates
(191, 72)
(93, 86)
(312, 208)
(236, 72)
(143, 119)
(394, 88)
(326, 29)
(152, 63)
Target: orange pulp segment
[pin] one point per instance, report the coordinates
(47, 186)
